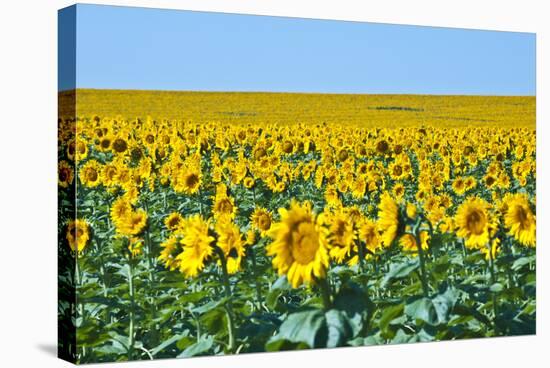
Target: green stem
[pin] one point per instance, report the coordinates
(99, 255)
(361, 255)
(511, 280)
(229, 304)
(425, 288)
(79, 306)
(254, 264)
(325, 293)
(493, 294)
(131, 327)
(256, 281)
(200, 202)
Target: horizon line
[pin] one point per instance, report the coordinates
(294, 92)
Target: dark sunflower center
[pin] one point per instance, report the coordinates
(340, 228)
(260, 152)
(81, 148)
(475, 222)
(225, 206)
(397, 170)
(136, 220)
(304, 242)
(192, 180)
(288, 147)
(92, 175)
(120, 145)
(264, 222)
(173, 222)
(63, 175)
(343, 155)
(398, 149)
(522, 216)
(382, 146)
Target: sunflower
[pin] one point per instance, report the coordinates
(299, 245)
(168, 254)
(250, 237)
(248, 182)
(280, 187)
(125, 176)
(368, 233)
(71, 150)
(173, 221)
(409, 244)
(105, 143)
(472, 222)
(78, 234)
(470, 182)
(126, 220)
(224, 207)
(520, 220)
(109, 174)
(411, 211)
(134, 223)
(81, 150)
(261, 220)
(446, 225)
(459, 187)
(230, 241)
(120, 209)
(131, 194)
(65, 174)
(287, 147)
(388, 219)
(135, 246)
(196, 246)
(90, 173)
(396, 171)
(503, 181)
(358, 187)
(398, 190)
(490, 181)
(382, 146)
(341, 236)
(188, 181)
(492, 251)
(120, 145)
(331, 196)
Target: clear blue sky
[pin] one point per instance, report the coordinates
(139, 48)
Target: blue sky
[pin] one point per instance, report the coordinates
(139, 48)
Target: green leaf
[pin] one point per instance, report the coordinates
(354, 301)
(444, 303)
(165, 344)
(496, 287)
(277, 289)
(301, 327)
(400, 270)
(521, 262)
(184, 342)
(200, 347)
(209, 306)
(434, 311)
(390, 314)
(339, 328)
(422, 309)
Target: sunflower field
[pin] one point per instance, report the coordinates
(206, 224)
